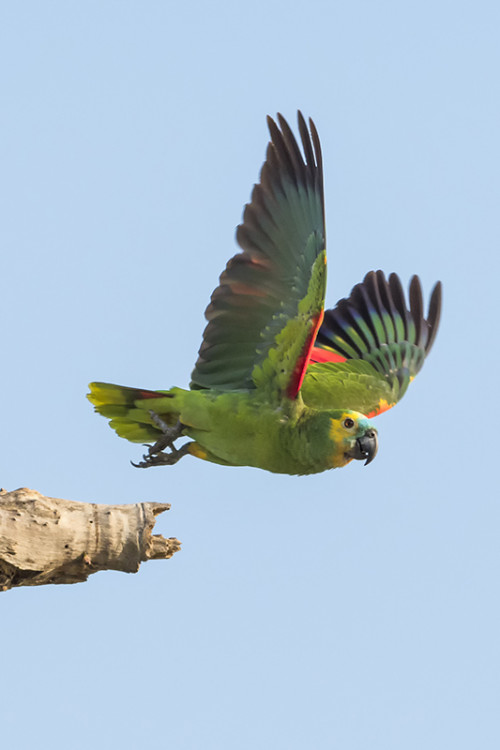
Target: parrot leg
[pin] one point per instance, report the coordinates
(156, 455)
(161, 458)
(170, 434)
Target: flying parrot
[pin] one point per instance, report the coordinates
(280, 384)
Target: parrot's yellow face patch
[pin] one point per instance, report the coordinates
(346, 425)
(344, 430)
(353, 437)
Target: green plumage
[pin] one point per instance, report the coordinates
(234, 428)
(275, 387)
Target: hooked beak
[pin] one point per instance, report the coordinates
(365, 447)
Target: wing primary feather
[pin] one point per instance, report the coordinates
(434, 314)
(398, 296)
(279, 146)
(293, 152)
(386, 307)
(347, 336)
(317, 147)
(381, 316)
(313, 158)
(417, 310)
(362, 301)
(389, 305)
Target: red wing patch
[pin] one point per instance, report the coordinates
(325, 355)
(303, 360)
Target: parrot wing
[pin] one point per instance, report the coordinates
(371, 346)
(264, 315)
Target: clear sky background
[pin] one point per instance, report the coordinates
(354, 609)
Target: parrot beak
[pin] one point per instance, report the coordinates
(365, 447)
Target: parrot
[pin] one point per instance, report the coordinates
(280, 384)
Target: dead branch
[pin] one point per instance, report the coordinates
(48, 540)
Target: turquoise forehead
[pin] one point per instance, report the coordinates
(363, 422)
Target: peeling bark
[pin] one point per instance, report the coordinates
(49, 540)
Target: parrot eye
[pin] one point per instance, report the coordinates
(348, 423)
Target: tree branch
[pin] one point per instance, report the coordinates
(48, 540)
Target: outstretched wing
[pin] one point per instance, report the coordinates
(264, 315)
(371, 346)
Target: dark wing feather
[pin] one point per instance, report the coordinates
(264, 287)
(371, 345)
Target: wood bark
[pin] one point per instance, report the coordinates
(49, 540)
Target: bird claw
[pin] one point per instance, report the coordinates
(162, 458)
(156, 455)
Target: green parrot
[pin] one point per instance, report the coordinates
(279, 384)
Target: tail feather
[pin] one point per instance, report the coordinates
(109, 393)
(135, 433)
(128, 410)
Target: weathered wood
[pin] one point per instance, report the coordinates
(49, 540)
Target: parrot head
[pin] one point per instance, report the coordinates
(354, 437)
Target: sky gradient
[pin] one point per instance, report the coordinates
(354, 609)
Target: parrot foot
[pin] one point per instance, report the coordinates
(160, 458)
(156, 455)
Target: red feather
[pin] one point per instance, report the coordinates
(303, 360)
(142, 394)
(325, 355)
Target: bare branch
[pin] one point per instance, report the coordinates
(48, 540)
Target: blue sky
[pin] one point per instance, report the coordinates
(354, 609)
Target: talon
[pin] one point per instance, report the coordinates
(162, 458)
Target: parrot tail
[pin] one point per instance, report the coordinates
(128, 410)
